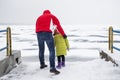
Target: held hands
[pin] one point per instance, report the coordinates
(64, 36)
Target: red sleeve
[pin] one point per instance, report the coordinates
(56, 22)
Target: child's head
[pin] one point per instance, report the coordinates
(56, 32)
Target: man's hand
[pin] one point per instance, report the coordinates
(64, 36)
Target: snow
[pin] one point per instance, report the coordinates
(82, 61)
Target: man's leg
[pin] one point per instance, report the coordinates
(41, 50)
(50, 44)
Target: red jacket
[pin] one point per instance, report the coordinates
(43, 22)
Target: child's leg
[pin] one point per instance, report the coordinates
(63, 60)
(59, 62)
(59, 59)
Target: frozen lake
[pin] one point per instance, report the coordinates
(85, 42)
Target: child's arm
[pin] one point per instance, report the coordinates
(67, 44)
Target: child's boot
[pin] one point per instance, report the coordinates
(63, 63)
(59, 65)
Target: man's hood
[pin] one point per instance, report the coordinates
(46, 12)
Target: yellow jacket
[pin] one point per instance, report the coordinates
(61, 45)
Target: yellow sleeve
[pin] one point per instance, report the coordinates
(67, 43)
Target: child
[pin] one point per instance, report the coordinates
(61, 45)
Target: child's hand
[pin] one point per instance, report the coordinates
(68, 49)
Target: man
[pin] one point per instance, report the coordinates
(44, 34)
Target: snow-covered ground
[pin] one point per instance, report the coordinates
(82, 61)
